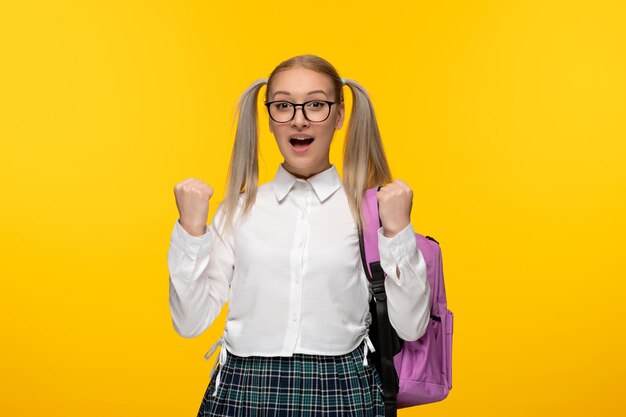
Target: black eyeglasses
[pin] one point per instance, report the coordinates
(314, 110)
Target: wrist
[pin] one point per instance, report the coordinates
(193, 230)
(392, 231)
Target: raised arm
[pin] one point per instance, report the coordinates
(406, 284)
(200, 265)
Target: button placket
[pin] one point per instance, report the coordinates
(296, 269)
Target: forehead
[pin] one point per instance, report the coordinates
(300, 82)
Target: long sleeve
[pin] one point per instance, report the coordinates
(407, 295)
(200, 272)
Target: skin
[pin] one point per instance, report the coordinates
(192, 201)
(395, 199)
(298, 82)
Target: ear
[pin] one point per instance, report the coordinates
(340, 116)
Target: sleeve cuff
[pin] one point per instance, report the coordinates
(180, 237)
(396, 252)
(400, 245)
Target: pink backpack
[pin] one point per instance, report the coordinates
(417, 372)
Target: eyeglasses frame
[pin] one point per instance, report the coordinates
(295, 108)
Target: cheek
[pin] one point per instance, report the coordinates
(279, 139)
(278, 133)
(328, 135)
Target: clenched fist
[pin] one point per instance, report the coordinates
(395, 201)
(192, 200)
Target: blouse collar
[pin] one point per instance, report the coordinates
(324, 183)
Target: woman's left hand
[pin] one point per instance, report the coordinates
(395, 201)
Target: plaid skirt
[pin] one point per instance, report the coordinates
(298, 386)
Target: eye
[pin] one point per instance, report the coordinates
(282, 105)
(316, 105)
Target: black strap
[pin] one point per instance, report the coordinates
(384, 336)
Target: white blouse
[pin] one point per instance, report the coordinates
(292, 274)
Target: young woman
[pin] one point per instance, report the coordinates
(285, 255)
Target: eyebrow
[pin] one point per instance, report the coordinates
(310, 92)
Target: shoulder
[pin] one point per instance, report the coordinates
(266, 187)
(265, 192)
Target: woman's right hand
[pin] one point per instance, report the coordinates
(192, 200)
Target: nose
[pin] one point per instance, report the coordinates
(298, 118)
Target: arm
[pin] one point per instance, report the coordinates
(406, 284)
(200, 272)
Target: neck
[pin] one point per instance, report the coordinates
(305, 173)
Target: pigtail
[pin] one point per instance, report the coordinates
(364, 161)
(243, 171)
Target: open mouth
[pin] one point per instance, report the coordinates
(301, 142)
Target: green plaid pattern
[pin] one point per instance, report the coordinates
(297, 386)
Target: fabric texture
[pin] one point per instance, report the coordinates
(420, 372)
(291, 273)
(301, 385)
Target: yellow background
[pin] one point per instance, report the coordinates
(506, 118)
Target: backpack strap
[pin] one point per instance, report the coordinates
(386, 338)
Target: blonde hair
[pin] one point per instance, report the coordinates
(364, 161)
